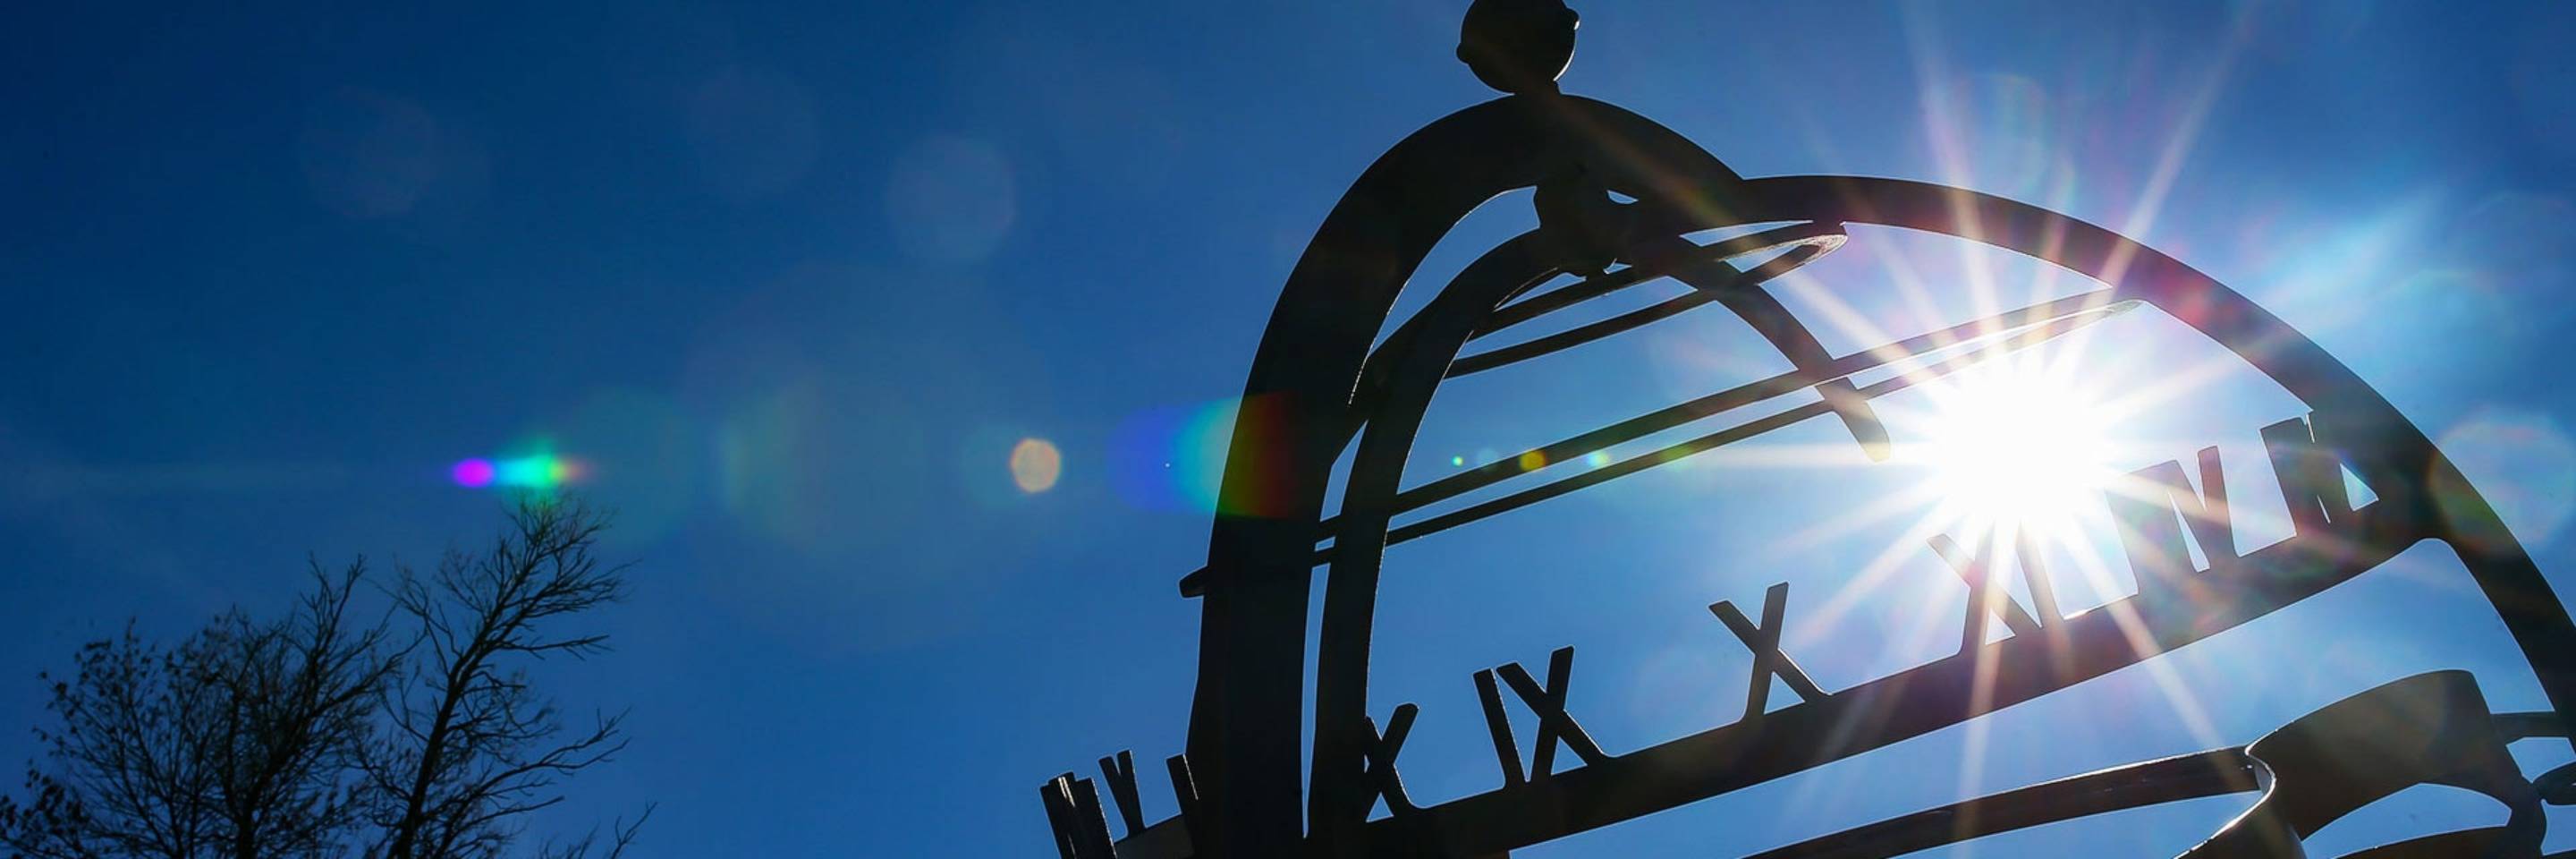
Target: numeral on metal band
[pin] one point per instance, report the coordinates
(1764, 640)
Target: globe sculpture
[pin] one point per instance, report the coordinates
(1617, 198)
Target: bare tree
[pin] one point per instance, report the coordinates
(238, 742)
(128, 777)
(471, 748)
(313, 736)
(299, 697)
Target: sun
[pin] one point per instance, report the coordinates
(2013, 448)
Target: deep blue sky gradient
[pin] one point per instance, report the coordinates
(793, 278)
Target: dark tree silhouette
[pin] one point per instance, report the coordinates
(416, 734)
(471, 748)
(238, 742)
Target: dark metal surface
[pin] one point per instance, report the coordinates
(2427, 729)
(1316, 375)
(2193, 776)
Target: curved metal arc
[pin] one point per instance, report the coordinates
(2430, 728)
(1337, 803)
(1505, 356)
(2427, 729)
(1783, 330)
(1245, 719)
(2192, 776)
(1824, 237)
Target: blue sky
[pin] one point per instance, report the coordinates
(792, 280)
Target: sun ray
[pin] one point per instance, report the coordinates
(2177, 694)
(1881, 567)
(2014, 444)
(2141, 219)
(1877, 510)
(1943, 128)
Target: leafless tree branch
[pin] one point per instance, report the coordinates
(475, 747)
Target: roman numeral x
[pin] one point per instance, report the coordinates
(1764, 640)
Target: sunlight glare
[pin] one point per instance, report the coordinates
(2017, 449)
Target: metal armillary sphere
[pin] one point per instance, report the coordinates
(1245, 793)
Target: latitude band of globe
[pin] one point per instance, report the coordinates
(2465, 748)
(1801, 252)
(1985, 339)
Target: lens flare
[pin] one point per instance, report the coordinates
(1175, 458)
(472, 473)
(1035, 465)
(541, 471)
(2522, 463)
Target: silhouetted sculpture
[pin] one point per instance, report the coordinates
(1518, 46)
(1337, 382)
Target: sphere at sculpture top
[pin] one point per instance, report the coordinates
(1518, 46)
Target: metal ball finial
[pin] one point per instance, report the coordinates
(1518, 46)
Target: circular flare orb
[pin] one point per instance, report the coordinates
(1036, 465)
